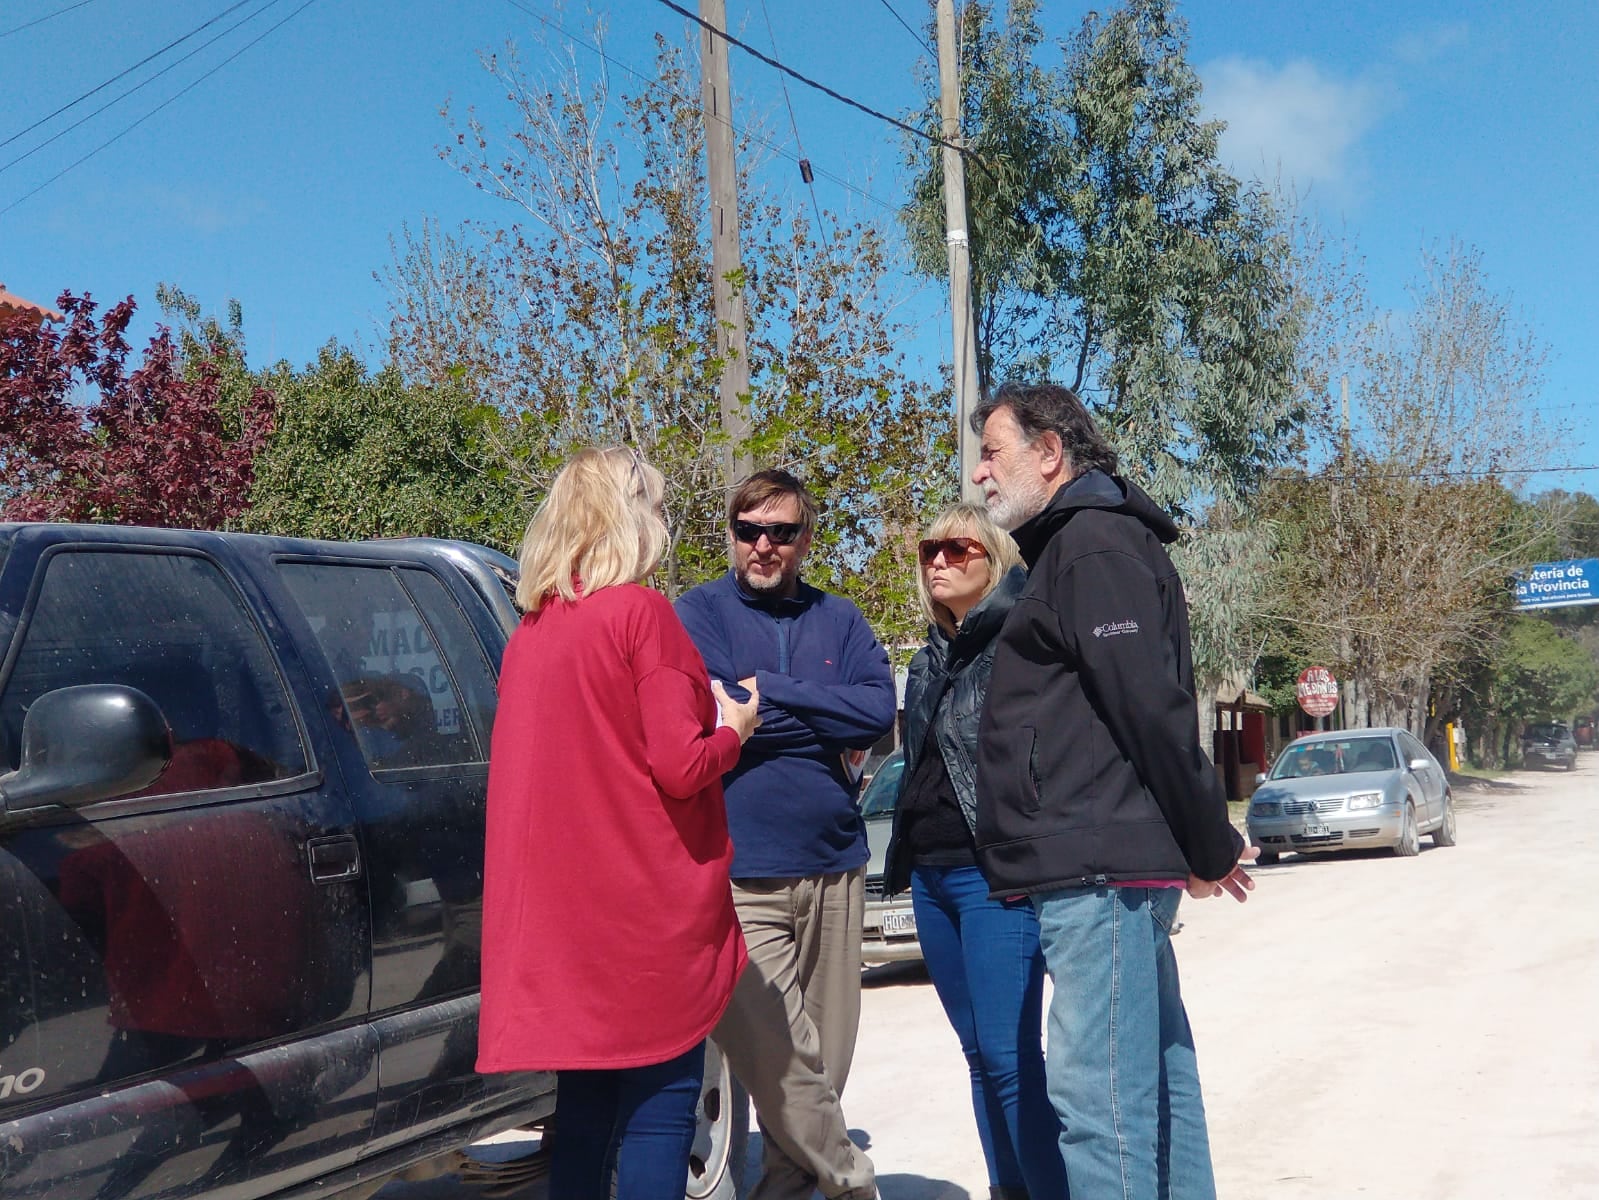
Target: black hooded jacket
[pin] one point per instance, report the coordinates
(1089, 766)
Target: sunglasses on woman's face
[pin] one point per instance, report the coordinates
(782, 533)
(955, 550)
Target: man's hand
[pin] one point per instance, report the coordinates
(1236, 883)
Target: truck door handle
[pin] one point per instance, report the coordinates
(333, 859)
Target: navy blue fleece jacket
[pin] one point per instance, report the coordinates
(825, 687)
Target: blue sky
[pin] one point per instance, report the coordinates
(279, 179)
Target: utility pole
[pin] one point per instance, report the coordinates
(955, 238)
(716, 101)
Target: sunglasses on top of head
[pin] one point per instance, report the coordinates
(781, 533)
(955, 550)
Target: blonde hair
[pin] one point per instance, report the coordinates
(599, 525)
(973, 521)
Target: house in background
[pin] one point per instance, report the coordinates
(1240, 747)
(16, 304)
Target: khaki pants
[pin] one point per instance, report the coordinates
(789, 1033)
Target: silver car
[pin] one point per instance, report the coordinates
(1352, 790)
(888, 933)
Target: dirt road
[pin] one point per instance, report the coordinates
(1368, 1026)
(1414, 1029)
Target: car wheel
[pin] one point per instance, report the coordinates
(1571, 763)
(1409, 844)
(721, 1133)
(1268, 857)
(1444, 835)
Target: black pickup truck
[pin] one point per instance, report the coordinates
(242, 786)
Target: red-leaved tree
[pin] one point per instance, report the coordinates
(83, 438)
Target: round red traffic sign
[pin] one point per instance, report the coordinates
(1317, 691)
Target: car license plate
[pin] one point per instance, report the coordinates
(899, 922)
(1316, 829)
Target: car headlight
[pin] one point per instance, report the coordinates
(1265, 808)
(1365, 800)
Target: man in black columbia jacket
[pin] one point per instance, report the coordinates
(1094, 796)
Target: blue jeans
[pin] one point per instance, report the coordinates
(637, 1120)
(984, 960)
(1122, 1071)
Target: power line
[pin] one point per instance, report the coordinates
(101, 87)
(1465, 473)
(793, 124)
(937, 140)
(129, 129)
(919, 38)
(654, 82)
(117, 99)
(41, 20)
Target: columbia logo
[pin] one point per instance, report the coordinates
(1113, 628)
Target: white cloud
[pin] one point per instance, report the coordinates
(1293, 123)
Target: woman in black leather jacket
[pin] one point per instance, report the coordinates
(982, 953)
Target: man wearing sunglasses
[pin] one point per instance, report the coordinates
(1094, 795)
(799, 845)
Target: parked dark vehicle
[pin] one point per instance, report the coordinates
(242, 785)
(1549, 744)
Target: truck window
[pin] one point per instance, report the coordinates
(172, 626)
(413, 684)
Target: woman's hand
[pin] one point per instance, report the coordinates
(742, 715)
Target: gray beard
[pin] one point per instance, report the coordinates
(769, 584)
(1014, 508)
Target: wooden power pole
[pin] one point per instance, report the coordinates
(716, 100)
(955, 238)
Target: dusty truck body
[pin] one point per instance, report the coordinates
(242, 791)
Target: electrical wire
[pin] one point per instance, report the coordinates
(805, 163)
(1470, 473)
(937, 140)
(652, 81)
(921, 41)
(61, 133)
(41, 20)
(129, 129)
(126, 71)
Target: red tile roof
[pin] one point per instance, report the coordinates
(7, 300)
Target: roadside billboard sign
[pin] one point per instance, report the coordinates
(1558, 584)
(1317, 691)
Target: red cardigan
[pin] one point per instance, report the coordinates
(609, 938)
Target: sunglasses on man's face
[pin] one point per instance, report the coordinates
(955, 550)
(782, 533)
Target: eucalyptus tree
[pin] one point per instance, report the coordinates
(1113, 251)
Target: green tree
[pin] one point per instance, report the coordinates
(1534, 672)
(1395, 553)
(1113, 251)
(360, 454)
(587, 317)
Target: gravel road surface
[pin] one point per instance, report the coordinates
(1368, 1026)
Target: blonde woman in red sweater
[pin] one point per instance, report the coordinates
(610, 947)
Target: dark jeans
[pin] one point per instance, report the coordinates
(985, 962)
(638, 1120)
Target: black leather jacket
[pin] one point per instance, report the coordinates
(944, 689)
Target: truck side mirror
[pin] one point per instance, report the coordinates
(86, 743)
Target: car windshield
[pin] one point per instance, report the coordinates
(1550, 732)
(1335, 758)
(881, 793)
